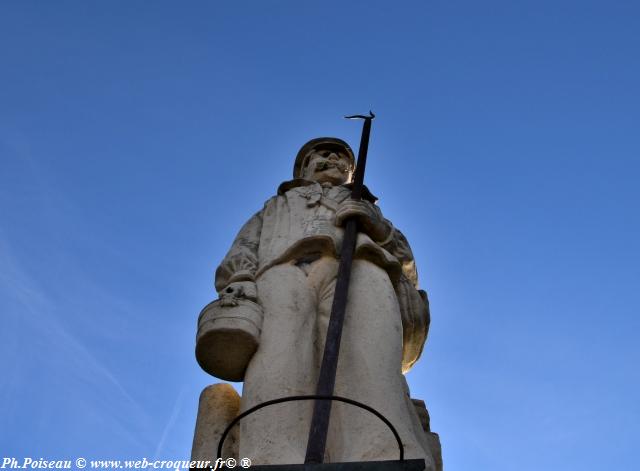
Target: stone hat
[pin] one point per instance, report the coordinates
(321, 143)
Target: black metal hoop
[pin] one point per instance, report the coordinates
(309, 398)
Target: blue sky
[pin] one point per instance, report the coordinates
(137, 137)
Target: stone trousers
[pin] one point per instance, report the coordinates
(296, 298)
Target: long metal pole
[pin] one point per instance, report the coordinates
(326, 381)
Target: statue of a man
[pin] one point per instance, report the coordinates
(287, 255)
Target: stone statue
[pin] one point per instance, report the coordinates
(279, 275)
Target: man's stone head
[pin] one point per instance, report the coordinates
(325, 160)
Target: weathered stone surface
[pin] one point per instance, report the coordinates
(228, 336)
(433, 439)
(407, 465)
(287, 254)
(219, 404)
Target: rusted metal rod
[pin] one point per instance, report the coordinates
(326, 381)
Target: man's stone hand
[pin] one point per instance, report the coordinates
(238, 290)
(369, 220)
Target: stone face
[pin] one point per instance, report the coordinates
(285, 261)
(219, 404)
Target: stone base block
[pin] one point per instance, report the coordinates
(406, 465)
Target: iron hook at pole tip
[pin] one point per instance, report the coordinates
(361, 116)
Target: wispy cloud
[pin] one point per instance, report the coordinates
(34, 307)
(177, 405)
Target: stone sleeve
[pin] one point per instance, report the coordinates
(414, 304)
(241, 262)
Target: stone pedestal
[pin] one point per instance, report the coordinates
(407, 465)
(219, 405)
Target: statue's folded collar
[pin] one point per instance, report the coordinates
(297, 182)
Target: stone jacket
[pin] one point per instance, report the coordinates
(299, 223)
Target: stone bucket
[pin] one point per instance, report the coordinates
(228, 336)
